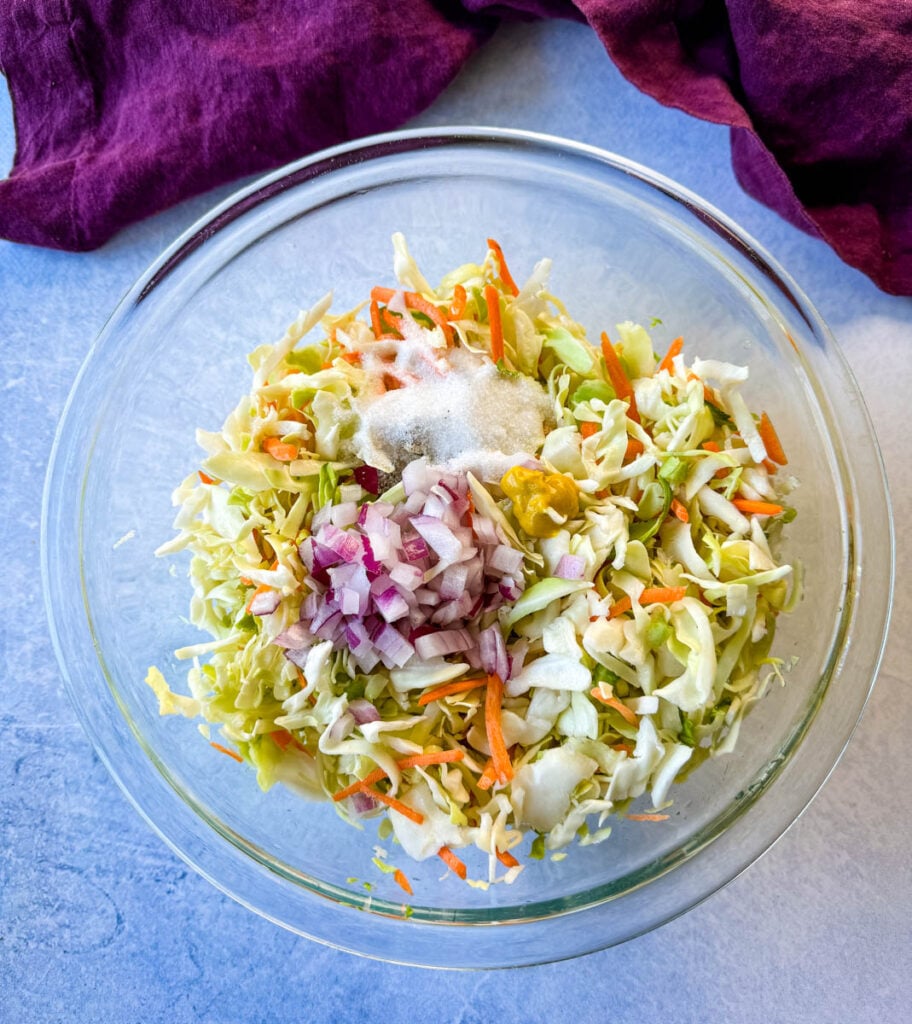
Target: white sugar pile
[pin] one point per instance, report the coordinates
(471, 417)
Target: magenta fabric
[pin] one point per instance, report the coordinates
(124, 107)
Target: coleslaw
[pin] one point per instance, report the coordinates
(467, 571)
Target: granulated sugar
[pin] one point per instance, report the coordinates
(470, 416)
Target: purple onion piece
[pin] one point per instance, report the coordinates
(368, 478)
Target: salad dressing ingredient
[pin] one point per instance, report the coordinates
(542, 502)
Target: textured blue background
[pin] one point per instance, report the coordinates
(100, 922)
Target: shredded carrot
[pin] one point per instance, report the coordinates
(393, 804)
(662, 595)
(587, 429)
(279, 450)
(403, 883)
(757, 508)
(263, 588)
(505, 274)
(619, 607)
(771, 440)
(619, 381)
(499, 754)
(376, 325)
(435, 757)
(452, 861)
(206, 479)
(679, 511)
(352, 357)
(413, 761)
(419, 304)
(647, 817)
(448, 689)
(770, 467)
(231, 753)
(457, 309)
(301, 677)
(488, 775)
(492, 298)
(634, 449)
(283, 739)
(625, 747)
(507, 859)
(247, 581)
(613, 702)
(710, 446)
(377, 775)
(674, 349)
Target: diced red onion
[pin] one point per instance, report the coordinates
(447, 641)
(440, 538)
(297, 657)
(506, 560)
(414, 549)
(296, 638)
(406, 576)
(265, 603)
(394, 649)
(363, 802)
(345, 514)
(363, 711)
(494, 652)
(391, 604)
(327, 629)
(570, 567)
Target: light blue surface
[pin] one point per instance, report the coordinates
(100, 922)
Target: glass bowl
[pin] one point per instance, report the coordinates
(626, 244)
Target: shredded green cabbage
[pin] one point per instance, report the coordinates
(634, 670)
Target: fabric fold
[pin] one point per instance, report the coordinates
(125, 107)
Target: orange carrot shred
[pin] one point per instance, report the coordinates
(376, 325)
(279, 450)
(413, 761)
(680, 511)
(662, 595)
(403, 883)
(352, 357)
(674, 349)
(624, 747)
(505, 274)
(770, 467)
(613, 702)
(618, 378)
(499, 754)
(393, 804)
(506, 858)
(448, 689)
(588, 428)
(634, 448)
(488, 775)
(206, 479)
(377, 775)
(247, 581)
(619, 607)
(647, 817)
(435, 757)
(452, 861)
(492, 298)
(457, 308)
(419, 304)
(771, 440)
(757, 508)
(710, 446)
(231, 753)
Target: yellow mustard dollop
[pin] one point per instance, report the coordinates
(535, 493)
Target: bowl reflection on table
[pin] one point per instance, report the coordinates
(626, 244)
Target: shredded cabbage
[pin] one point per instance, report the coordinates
(630, 632)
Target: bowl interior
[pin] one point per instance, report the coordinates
(173, 358)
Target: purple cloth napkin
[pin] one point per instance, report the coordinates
(124, 107)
